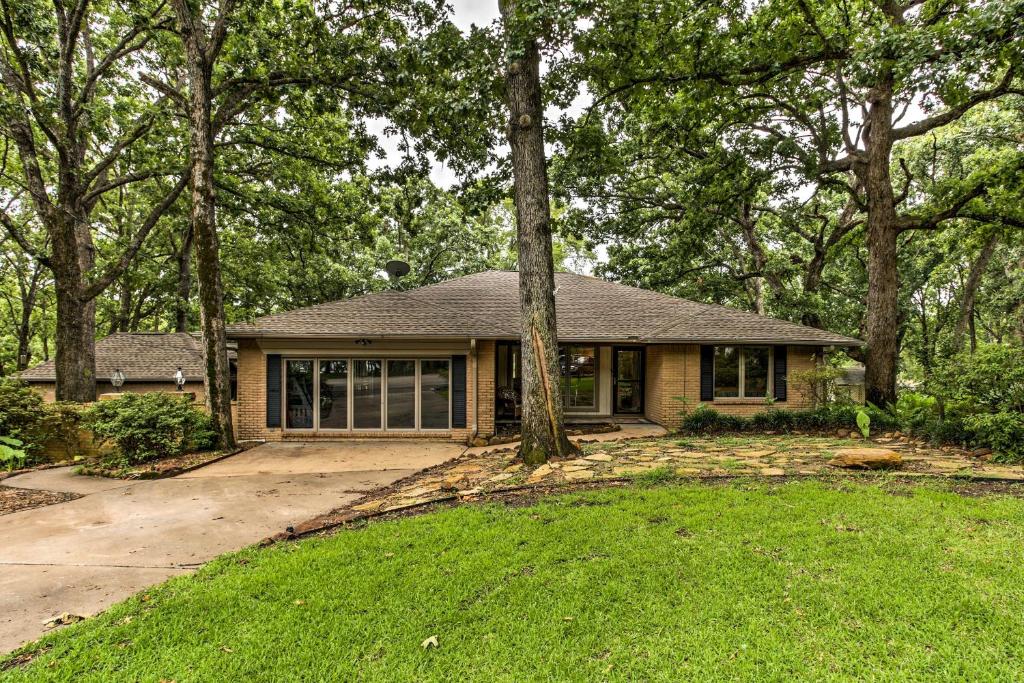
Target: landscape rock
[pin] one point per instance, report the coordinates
(866, 459)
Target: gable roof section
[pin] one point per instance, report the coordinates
(486, 305)
(141, 356)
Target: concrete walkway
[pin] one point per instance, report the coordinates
(120, 537)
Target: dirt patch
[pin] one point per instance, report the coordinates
(158, 469)
(15, 500)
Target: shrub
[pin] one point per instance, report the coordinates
(23, 415)
(821, 384)
(1003, 432)
(705, 419)
(989, 380)
(774, 420)
(149, 426)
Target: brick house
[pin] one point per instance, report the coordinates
(443, 360)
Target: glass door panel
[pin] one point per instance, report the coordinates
(334, 394)
(401, 394)
(299, 394)
(366, 394)
(434, 393)
(579, 365)
(629, 388)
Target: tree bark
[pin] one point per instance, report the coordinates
(543, 427)
(882, 230)
(970, 294)
(199, 59)
(181, 307)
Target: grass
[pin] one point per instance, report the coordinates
(746, 581)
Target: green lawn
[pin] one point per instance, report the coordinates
(806, 580)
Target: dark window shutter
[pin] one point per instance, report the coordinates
(707, 373)
(780, 373)
(458, 392)
(273, 390)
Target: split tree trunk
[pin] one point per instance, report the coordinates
(204, 224)
(543, 427)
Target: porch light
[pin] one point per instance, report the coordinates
(117, 378)
(179, 378)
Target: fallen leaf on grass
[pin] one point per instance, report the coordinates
(429, 643)
(225, 648)
(300, 602)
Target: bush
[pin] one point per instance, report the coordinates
(989, 380)
(706, 420)
(145, 427)
(1003, 432)
(23, 415)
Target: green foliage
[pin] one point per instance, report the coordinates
(12, 453)
(864, 423)
(704, 419)
(23, 414)
(149, 426)
(991, 379)
(1003, 432)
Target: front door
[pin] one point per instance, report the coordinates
(629, 379)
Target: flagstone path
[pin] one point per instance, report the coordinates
(482, 471)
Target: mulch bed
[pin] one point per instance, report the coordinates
(14, 500)
(159, 469)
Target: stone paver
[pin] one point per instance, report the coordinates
(624, 454)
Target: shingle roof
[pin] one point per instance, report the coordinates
(141, 356)
(486, 305)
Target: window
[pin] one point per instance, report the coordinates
(742, 371)
(579, 373)
(366, 394)
(299, 387)
(434, 394)
(333, 394)
(401, 394)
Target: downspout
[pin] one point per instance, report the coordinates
(476, 381)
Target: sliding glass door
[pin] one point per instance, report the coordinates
(343, 394)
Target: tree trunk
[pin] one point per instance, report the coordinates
(181, 302)
(970, 294)
(75, 336)
(204, 225)
(543, 428)
(882, 230)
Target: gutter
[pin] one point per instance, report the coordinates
(476, 381)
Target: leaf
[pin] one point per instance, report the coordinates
(429, 643)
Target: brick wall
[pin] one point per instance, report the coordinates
(251, 401)
(673, 371)
(484, 378)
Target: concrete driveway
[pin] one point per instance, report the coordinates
(120, 537)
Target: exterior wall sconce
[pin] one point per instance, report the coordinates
(179, 378)
(117, 378)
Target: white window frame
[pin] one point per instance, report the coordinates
(770, 390)
(350, 391)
